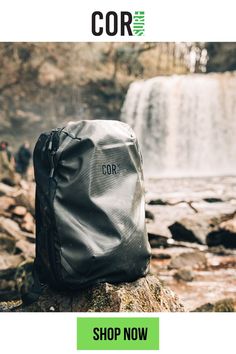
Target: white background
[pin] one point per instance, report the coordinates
(180, 333)
(70, 20)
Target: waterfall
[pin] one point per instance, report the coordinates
(186, 124)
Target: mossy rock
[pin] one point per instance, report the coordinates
(144, 295)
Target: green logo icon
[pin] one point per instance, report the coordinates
(138, 24)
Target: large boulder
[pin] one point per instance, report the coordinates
(224, 305)
(191, 229)
(188, 259)
(196, 228)
(144, 295)
(224, 234)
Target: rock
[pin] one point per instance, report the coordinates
(191, 229)
(28, 223)
(5, 203)
(213, 200)
(149, 215)
(144, 295)
(221, 237)
(225, 235)
(29, 236)
(157, 241)
(184, 274)
(25, 199)
(225, 305)
(188, 259)
(158, 229)
(7, 244)
(19, 210)
(27, 248)
(221, 251)
(10, 227)
(15, 273)
(8, 261)
(5, 189)
(9, 305)
(195, 228)
(229, 225)
(157, 202)
(189, 245)
(216, 220)
(7, 285)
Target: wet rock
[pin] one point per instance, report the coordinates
(158, 229)
(195, 228)
(144, 295)
(191, 229)
(188, 245)
(184, 274)
(188, 259)
(149, 215)
(213, 200)
(221, 237)
(225, 235)
(225, 305)
(157, 241)
(157, 202)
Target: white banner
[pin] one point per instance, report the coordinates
(71, 20)
(180, 333)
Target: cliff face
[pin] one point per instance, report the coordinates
(222, 57)
(43, 85)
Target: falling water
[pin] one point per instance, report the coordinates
(186, 125)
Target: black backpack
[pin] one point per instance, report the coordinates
(90, 209)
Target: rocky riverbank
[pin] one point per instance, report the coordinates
(192, 230)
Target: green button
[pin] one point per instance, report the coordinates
(117, 333)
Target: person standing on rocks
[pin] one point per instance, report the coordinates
(23, 157)
(7, 164)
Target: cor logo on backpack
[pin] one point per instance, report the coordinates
(110, 169)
